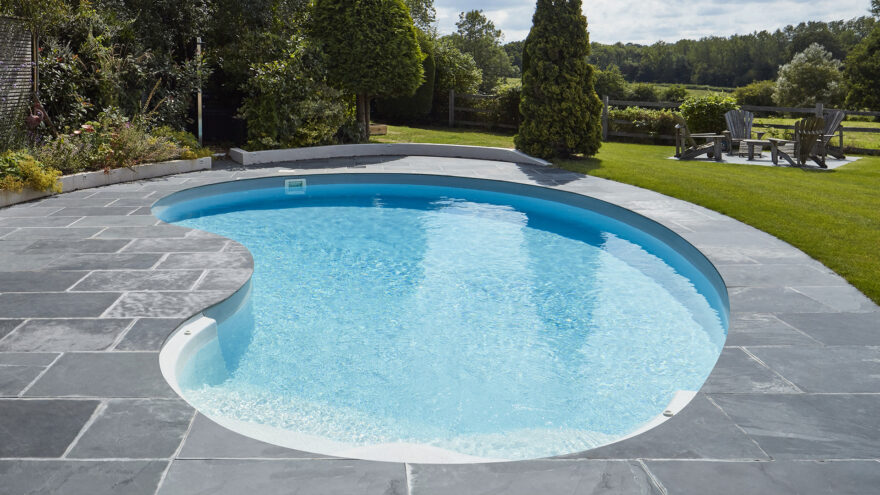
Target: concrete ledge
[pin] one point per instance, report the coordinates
(87, 180)
(397, 149)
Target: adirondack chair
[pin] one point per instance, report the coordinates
(833, 127)
(686, 147)
(808, 144)
(739, 128)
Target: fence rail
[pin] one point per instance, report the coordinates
(819, 109)
(453, 96)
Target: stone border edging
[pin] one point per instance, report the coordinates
(243, 157)
(88, 180)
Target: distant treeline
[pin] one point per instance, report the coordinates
(718, 61)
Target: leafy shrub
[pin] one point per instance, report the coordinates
(863, 70)
(417, 106)
(758, 93)
(610, 83)
(455, 70)
(19, 170)
(811, 77)
(107, 143)
(643, 121)
(642, 92)
(676, 92)
(184, 139)
(504, 108)
(289, 104)
(706, 113)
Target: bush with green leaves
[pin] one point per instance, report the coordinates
(813, 76)
(19, 170)
(758, 93)
(642, 92)
(610, 83)
(290, 104)
(418, 106)
(561, 111)
(706, 113)
(676, 92)
(477, 36)
(504, 108)
(455, 71)
(371, 49)
(863, 71)
(642, 121)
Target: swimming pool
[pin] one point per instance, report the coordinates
(414, 317)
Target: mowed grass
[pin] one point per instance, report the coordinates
(833, 216)
(852, 139)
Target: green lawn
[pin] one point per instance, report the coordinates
(833, 216)
(854, 139)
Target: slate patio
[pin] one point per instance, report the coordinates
(91, 284)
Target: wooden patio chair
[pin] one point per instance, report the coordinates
(808, 144)
(686, 147)
(833, 127)
(739, 129)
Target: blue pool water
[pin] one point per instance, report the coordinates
(483, 323)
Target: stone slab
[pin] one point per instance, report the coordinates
(838, 328)
(56, 304)
(843, 369)
(104, 374)
(138, 280)
(81, 478)
(65, 335)
(41, 428)
(148, 334)
(737, 372)
(208, 440)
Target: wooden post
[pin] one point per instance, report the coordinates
(820, 110)
(605, 118)
(451, 108)
(199, 95)
(35, 61)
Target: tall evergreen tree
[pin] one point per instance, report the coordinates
(561, 111)
(371, 48)
(862, 71)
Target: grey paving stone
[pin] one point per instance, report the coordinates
(224, 279)
(14, 379)
(82, 477)
(93, 211)
(37, 221)
(208, 440)
(65, 335)
(42, 281)
(104, 374)
(116, 221)
(65, 201)
(843, 299)
(736, 372)
(208, 260)
(53, 233)
(809, 426)
(143, 232)
(24, 262)
(148, 334)
(175, 246)
(699, 431)
(325, 477)
(838, 328)
(826, 369)
(41, 428)
(771, 478)
(748, 329)
(163, 304)
(144, 210)
(121, 192)
(27, 358)
(126, 280)
(135, 429)
(773, 300)
(138, 202)
(5, 231)
(7, 326)
(776, 276)
(28, 211)
(76, 246)
(56, 304)
(13, 246)
(531, 477)
(111, 261)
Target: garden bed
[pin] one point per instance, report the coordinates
(87, 180)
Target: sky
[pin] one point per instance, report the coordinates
(648, 21)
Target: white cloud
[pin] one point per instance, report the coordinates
(647, 21)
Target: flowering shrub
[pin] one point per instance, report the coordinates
(19, 170)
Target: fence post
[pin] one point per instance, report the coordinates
(451, 108)
(820, 109)
(605, 118)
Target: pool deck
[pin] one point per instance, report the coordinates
(91, 284)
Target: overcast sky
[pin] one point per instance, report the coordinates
(647, 21)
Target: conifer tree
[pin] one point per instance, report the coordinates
(561, 111)
(371, 49)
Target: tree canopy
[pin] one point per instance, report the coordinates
(863, 72)
(813, 76)
(478, 36)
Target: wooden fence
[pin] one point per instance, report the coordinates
(18, 77)
(453, 98)
(819, 109)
